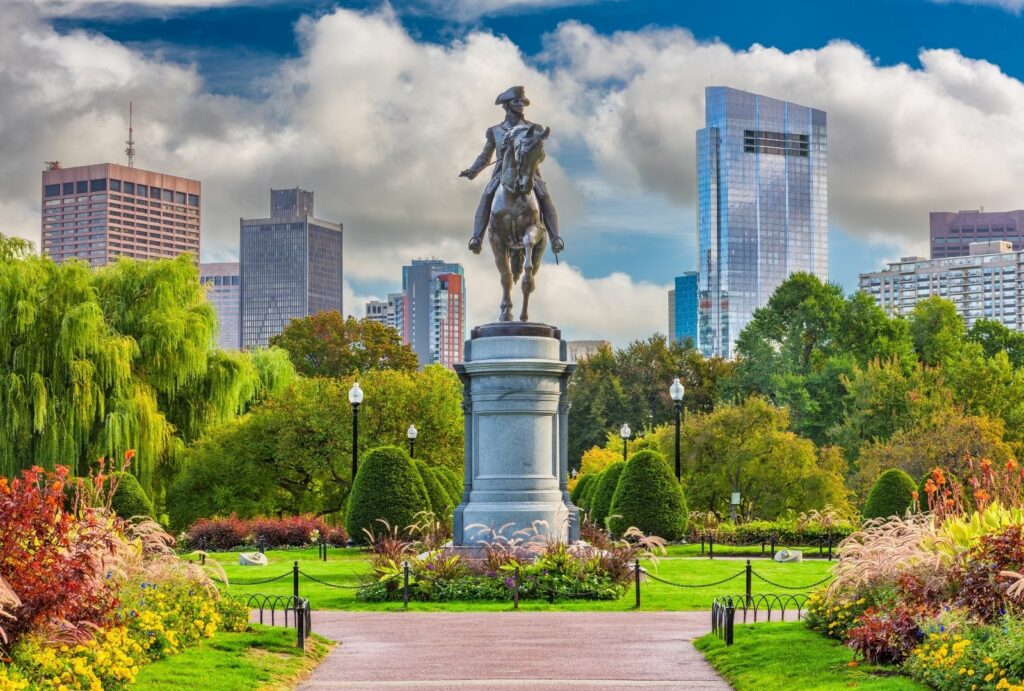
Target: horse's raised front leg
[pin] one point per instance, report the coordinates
(501, 259)
(531, 241)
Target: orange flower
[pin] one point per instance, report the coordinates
(985, 464)
(939, 477)
(129, 454)
(949, 503)
(929, 486)
(914, 495)
(981, 496)
(1011, 464)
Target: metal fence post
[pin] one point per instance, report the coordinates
(730, 616)
(702, 538)
(711, 546)
(405, 584)
(636, 572)
(300, 624)
(202, 558)
(749, 575)
(295, 580)
(830, 546)
(515, 592)
(773, 546)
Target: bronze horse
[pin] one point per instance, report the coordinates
(517, 233)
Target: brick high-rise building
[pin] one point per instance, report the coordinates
(435, 310)
(952, 233)
(99, 212)
(290, 266)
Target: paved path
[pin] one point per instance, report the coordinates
(513, 650)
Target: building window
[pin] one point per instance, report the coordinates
(193, 200)
(115, 185)
(82, 186)
(142, 190)
(68, 188)
(99, 185)
(129, 187)
(51, 190)
(154, 192)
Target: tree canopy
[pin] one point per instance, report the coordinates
(327, 345)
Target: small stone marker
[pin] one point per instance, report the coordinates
(252, 559)
(786, 556)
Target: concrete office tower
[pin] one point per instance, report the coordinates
(103, 211)
(290, 266)
(390, 312)
(435, 299)
(983, 285)
(377, 311)
(762, 206)
(953, 232)
(223, 290)
(683, 307)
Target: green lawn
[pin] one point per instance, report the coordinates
(752, 551)
(779, 657)
(263, 658)
(348, 566)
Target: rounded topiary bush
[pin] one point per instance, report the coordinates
(649, 498)
(129, 498)
(451, 483)
(892, 495)
(601, 501)
(440, 501)
(587, 497)
(581, 486)
(387, 487)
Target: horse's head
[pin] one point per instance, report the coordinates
(523, 154)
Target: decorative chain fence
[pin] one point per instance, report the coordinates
(768, 545)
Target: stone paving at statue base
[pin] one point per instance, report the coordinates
(513, 650)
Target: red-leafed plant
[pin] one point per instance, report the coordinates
(982, 588)
(53, 560)
(886, 637)
(292, 531)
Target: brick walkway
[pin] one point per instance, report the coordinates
(513, 650)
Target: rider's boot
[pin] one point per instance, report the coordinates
(550, 216)
(483, 215)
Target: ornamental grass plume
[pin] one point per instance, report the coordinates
(885, 549)
(8, 602)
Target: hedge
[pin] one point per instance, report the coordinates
(601, 501)
(649, 498)
(232, 532)
(581, 486)
(586, 498)
(451, 483)
(440, 501)
(786, 533)
(387, 487)
(892, 495)
(129, 498)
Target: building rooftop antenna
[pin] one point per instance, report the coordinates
(130, 149)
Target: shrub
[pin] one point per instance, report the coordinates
(892, 495)
(591, 491)
(129, 498)
(292, 531)
(649, 498)
(579, 489)
(602, 499)
(440, 501)
(833, 616)
(885, 637)
(982, 590)
(451, 482)
(387, 487)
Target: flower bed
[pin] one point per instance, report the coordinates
(547, 569)
(87, 598)
(940, 593)
(224, 534)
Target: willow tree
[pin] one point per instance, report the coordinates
(94, 362)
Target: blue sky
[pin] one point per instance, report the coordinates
(627, 209)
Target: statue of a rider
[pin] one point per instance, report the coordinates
(513, 100)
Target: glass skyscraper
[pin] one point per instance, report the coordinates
(762, 206)
(290, 266)
(683, 319)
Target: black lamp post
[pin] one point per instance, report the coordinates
(411, 433)
(625, 433)
(676, 391)
(355, 397)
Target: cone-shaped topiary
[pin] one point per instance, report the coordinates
(649, 498)
(601, 500)
(451, 483)
(440, 501)
(387, 486)
(588, 493)
(577, 491)
(892, 495)
(129, 498)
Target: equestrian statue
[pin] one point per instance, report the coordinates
(515, 205)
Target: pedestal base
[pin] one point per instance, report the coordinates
(516, 408)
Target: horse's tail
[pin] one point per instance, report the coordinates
(517, 258)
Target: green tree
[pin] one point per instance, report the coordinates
(94, 362)
(440, 502)
(326, 345)
(597, 402)
(129, 498)
(648, 498)
(749, 448)
(989, 386)
(937, 330)
(994, 338)
(387, 488)
(892, 495)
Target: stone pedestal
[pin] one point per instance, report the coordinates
(516, 407)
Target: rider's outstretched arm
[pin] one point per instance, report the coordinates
(483, 159)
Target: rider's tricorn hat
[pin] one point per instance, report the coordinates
(510, 93)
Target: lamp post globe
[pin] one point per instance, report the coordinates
(625, 433)
(355, 397)
(677, 391)
(411, 434)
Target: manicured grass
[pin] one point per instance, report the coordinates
(349, 566)
(263, 658)
(784, 656)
